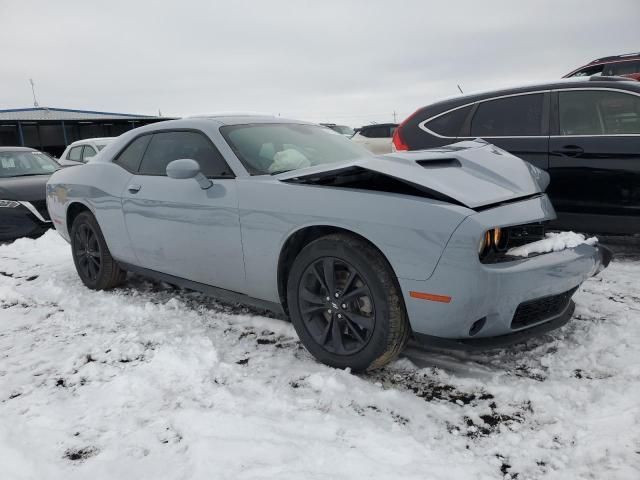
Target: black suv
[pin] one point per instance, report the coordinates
(584, 132)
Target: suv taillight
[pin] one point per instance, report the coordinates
(398, 144)
(398, 141)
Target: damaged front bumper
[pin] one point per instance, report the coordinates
(493, 305)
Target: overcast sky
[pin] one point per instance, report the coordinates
(346, 61)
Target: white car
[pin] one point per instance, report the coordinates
(376, 138)
(81, 151)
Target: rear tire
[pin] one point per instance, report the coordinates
(95, 266)
(345, 303)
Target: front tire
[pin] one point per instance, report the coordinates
(345, 303)
(95, 266)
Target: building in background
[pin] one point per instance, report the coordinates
(52, 129)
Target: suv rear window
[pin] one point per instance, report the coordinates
(622, 68)
(449, 124)
(517, 116)
(376, 132)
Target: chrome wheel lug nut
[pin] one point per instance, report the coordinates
(337, 294)
(339, 316)
(344, 305)
(329, 311)
(328, 298)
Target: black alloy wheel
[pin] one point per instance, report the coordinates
(95, 266)
(345, 303)
(337, 306)
(87, 251)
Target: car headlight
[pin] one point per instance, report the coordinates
(494, 239)
(485, 244)
(8, 204)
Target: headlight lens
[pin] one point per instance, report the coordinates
(485, 244)
(493, 239)
(8, 204)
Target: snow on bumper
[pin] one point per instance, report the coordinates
(494, 292)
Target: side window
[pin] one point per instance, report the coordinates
(74, 154)
(88, 152)
(378, 132)
(131, 156)
(596, 70)
(599, 112)
(449, 124)
(622, 68)
(168, 146)
(519, 116)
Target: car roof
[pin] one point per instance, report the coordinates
(243, 119)
(17, 149)
(615, 58)
(92, 140)
(619, 83)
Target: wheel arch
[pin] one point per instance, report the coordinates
(74, 209)
(299, 239)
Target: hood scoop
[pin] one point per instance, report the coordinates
(440, 163)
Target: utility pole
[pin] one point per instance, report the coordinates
(33, 91)
(460, 89)
(395, 117)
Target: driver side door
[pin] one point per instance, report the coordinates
(175, 226)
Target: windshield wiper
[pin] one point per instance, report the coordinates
(283, 171)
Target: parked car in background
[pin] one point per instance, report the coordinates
(376, 138)
(627, 65)
(341, 129)
(23, 176)
(81, 151)
(584, 132)
(361, 252)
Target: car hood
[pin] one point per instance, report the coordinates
(26, 189)
(471, 173)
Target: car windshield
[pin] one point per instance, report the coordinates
(24, 163)
(269, 148)
(343, 129)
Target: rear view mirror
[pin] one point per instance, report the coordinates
(185, 168)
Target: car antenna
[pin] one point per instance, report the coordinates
(460, 89)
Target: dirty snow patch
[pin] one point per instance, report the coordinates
(554, 242)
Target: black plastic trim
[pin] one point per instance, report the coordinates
(225, 296)
(425, 341)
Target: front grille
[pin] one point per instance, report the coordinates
(535, 311)
(41, 207)
(522, 234)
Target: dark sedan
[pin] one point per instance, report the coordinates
(584, 132)
(23, 177)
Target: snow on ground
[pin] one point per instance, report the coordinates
(150, 382)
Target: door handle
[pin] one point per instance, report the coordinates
(134, 188)
(569, 151)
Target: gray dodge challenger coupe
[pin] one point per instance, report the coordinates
(361, 252)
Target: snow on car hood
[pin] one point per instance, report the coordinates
(472, 173)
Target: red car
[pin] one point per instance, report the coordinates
(627, 65)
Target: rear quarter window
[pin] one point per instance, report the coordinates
(449, 124)
(131, 156)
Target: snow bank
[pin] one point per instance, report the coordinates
(553, 243)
